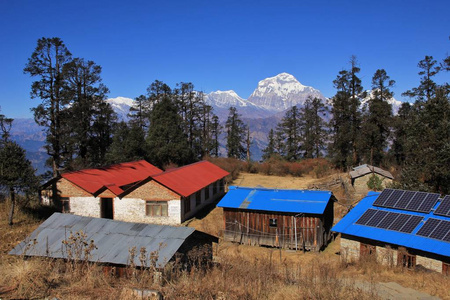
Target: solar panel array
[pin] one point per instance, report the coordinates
(408, 200)
(444, 208)
(436, 229)
(389, 220)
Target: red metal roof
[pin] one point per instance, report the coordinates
(113, 178)
(189, 179)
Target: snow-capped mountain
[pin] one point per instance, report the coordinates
(281, 92)
(221, 101)
(121, 105)
(394, 102)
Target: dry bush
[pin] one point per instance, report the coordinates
(231, 165)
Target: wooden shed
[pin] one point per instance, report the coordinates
(294, 219)
(361, 175)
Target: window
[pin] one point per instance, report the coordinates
(221, 185)
(214, 188)
(207, 193)
(406, 259)
(65, 205)
(156, 209)
(198, 198)
(272, 222)
(187, 205)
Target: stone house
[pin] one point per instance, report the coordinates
(397, 227)
(137, 192)
(294, 219)
(360, 176)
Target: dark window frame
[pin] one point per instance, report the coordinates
(198, 198)
(65, 205)
(156, 208)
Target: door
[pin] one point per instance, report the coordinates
(106, 208)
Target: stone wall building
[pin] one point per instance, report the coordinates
(398, 228)
(137, 192)
(361, 175)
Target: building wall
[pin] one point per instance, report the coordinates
(360, 183)
(429, 263)
(204, 202)
(350, 252)
(133, 210)
(85, 206)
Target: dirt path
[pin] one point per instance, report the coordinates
(392, 290)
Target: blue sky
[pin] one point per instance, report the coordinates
(222, 45)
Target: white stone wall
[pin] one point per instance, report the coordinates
(85, 206)
(133, 210)
(429, 263)
(349, 250)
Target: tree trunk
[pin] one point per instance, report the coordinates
(13, 204)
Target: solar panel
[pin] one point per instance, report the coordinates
(444, 208)
(366, 217)
(399, 222)
(429, 226)
(383, 197)
(412, 223)
(409, 200)
(441, 231)
(388, 220)
(377, 218)
(404, 199)
(436, 229)
(428, 203)
(393, 199)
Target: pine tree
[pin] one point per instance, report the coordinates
(289, 130)
(346, 121)
(216, 129)
(166, 140)
(236, 130)
(313, 127)
(87, 94)
(128, 144)
(376, 127)
(46, 63)
(269, 151)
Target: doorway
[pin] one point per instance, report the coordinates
(106, 208)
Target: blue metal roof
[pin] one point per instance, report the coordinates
(279, 200)
(112, 238)
(410, 240)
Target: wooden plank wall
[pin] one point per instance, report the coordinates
(252, 227)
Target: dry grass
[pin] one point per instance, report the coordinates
(242, 272)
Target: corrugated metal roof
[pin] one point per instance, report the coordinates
(368, 169)
(410, 240)
(113, 177)
(113, 239)
(280, 200)
(189, 179)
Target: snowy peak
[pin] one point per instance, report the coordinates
(225, 99)
(281, 92)
(121, 105)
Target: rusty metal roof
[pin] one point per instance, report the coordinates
(189, 179)
(368, 169)
(113, 239)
